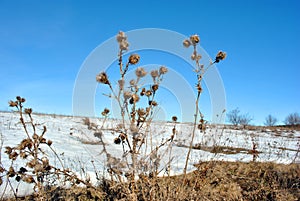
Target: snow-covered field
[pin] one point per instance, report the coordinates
(77, 146)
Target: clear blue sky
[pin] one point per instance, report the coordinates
(44, 43)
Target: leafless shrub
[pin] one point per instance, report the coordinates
(270, 120)
(292, 119)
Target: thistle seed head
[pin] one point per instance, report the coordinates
(163, 70)
(134, 59)
(140, 72)
(195, 39)
(102, 78)
(220, 56)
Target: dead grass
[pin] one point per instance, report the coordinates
(214, 180)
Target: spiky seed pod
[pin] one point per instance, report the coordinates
(102, 78)
(132, 82)
(121, 36)
(153, 103)
(11, 172)
(31, 163)
(23, 100)
(8, 150)
(195, 39)
(141, 112)
(155, 87)
(13, 103)
(28, 179)
(187, 43)
(199, 88)
(28, 110)
(174, 118)
(148, 93)
(23, 155)
(22, 170)
(127, 95)
(122, 136)
(163, 70)
(134, 59)
(13, 155)
(154, 73)
(2, 169)
(134, 99)
(124, 45)
(140, 72)
(143, 92)
(105, 112)
(117, 140)
(18, 98)
(35, 136)
(49, 142)
(220, 56)
(42, 140)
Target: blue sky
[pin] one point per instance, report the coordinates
(43, 45)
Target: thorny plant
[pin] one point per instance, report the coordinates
(200, 71)
(36, 168)
(134, 129)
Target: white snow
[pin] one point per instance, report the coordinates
(77, 146)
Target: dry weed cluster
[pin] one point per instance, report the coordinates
(134, 174)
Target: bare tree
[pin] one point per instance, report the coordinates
(270, 120)
(292, 119)
(245, 119)
(234, 116)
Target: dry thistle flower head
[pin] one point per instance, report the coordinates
(105, 112)
(141, 112)
(174, 118)
(117, 140)
(220, 56)
(155, 87)
(127, 95)
(187, 43)
(195, 39)
(132, 82)
(134, 59)
(148, 93)
(121, 36)
(199, 88)
(102, 78)
(28, 110)
(140, 72)
(134, 98)
(154, 73)
(143, 92)
(163, 70)
(153, 103)
(13, 103)
(122, 40)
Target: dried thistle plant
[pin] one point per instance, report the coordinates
(132, 134)
(200, 71)
(29, 154)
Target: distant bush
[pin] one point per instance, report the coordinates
(270, 120)
(292, 119)
(236, 118)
